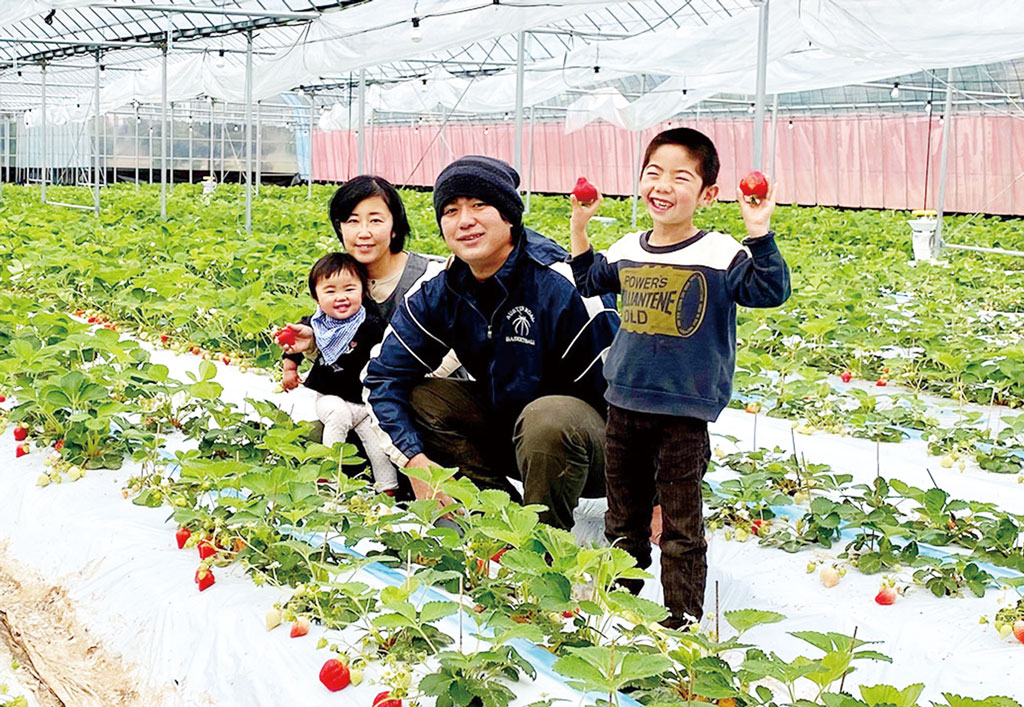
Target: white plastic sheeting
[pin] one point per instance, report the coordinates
(811, 45)
(331, 47)
(133, 589)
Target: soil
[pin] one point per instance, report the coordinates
(61, 662)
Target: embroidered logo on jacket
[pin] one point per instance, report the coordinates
(521, 318)
(662, 299)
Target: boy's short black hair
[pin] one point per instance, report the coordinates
(333, 263)
(696, 143)
(355, 190)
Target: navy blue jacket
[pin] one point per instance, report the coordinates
(543, 338)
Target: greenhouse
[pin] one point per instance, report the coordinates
(481, 353)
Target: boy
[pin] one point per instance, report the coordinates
(345, 331)
(670, 366)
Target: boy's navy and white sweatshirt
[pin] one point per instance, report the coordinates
(675, 352)
(523, 333)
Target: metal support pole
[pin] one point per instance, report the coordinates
(42, 187)
(947, 120)
(248, 132)
(96, 175)
(529, 168)
(170, 146)
(259, 151)
(517, 154)
(163, 122)
(224, 148)
(636, 164)
(360, 162)
(213, 172)
(137, 143)
(373, 139)
(312, 110)
(762, 67)
(775, 122)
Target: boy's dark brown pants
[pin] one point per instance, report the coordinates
(648, 453)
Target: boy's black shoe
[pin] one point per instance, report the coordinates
(676, 623)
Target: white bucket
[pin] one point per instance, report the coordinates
(923, 238)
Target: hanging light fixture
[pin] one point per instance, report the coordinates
(790, 126)
(928, 107)
(417, 33)
(895, 92)
(750, 109)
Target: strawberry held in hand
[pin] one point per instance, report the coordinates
(584, 191)
(285, 336)
(334, 675)
(754, 186)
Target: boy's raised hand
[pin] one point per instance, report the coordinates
(757, 216)
(578, 220)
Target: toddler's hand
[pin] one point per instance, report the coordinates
(582, 213)
(303, 339)
(290, 379)
(757, 217)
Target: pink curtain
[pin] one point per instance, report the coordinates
(887, 162)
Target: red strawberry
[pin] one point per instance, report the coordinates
(496, 557)
(3, 399)
(882, 382)
(384, 699)
(196, 350)
(1018, 630)
(753, 407)
(204, 578)
(584, 191)
(20, 433)
(755, 526)
(334, 675)
(225, 359)
(59, 445)
(164, 338)
(182, 536)
(754, 185)
(886, 596)
(285, 336)
(300, 627)
(206, 549)
(21, 450)
(845, 376)
(92, 320)
(570, 613)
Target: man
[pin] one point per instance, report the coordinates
(508, 307)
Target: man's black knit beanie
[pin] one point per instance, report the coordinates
(492, 181)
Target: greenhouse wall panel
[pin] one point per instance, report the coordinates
(888, 162)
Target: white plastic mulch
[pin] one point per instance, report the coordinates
(131, 585)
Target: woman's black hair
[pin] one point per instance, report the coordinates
(333, 263)
(355, 190)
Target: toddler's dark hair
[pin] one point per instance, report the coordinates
(696, 143)
(333, 263)
(355, 190)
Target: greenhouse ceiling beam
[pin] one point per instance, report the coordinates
(212, 10)
(927, 89)
(157, 38)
